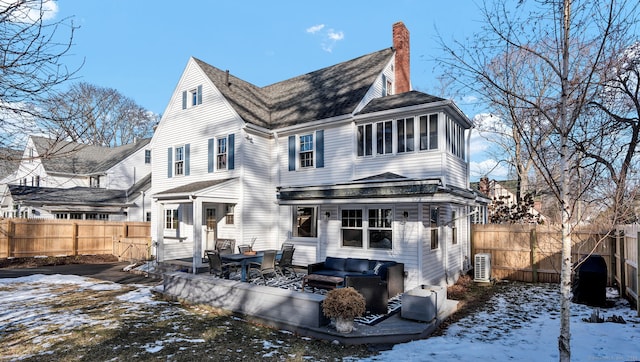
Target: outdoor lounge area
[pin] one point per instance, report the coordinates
(287, 301)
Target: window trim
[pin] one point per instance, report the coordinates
(306, 156)
(179, 160)
(171, 219)
(408, 145)
(363, 224)
(222, 158)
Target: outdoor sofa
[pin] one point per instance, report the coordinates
(376, 280)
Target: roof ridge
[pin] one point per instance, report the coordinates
(324, 93)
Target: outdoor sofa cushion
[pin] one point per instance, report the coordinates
(387, 271)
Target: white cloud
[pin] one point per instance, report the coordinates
(329, 36)
(489, 168)
(335, 35)
(31, 12)
(316, 28)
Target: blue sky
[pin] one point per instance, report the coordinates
(140, 48)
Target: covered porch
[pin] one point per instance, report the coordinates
(191, 218)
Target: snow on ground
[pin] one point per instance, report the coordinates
(519, 323)
(522, 324)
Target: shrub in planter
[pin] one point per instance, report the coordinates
(343, 304)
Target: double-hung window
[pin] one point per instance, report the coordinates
(178, 164)
(405, 135)
(384, 134)
(368, 226)
(221, 153)
(306, 150)
(380, 232)
(147, 157)
(352, 227)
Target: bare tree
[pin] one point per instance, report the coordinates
(32, 49)
(613, 136)
(566, 45)
(90, 114)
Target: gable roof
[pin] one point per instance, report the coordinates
(86, 196)
(9, 161)
(75, 158)
(329, 92)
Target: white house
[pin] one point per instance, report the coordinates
(67, 180)
(343, 161)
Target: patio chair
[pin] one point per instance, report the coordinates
(286, 246)
(286, 261)
(243, 248)
(267, 266)
(225, 246)
(217, 267)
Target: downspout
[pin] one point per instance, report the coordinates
(144, 218)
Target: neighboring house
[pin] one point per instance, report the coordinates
(505, 192)
(9, 163)
(343, 161)
(66, 180)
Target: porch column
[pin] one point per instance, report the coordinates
(196, 203)
(159, 220)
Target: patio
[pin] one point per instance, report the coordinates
(271, 302)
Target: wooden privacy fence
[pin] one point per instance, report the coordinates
(625, 256)
(37, 237)
(532, 253)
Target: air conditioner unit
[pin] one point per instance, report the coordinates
(482, 268)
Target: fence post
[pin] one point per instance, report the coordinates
(11, 230)
(533, 247)
(74, 236)
(618, 256)
(638, 274)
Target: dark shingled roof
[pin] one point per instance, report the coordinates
(75, 158)
(401, 100)
(9, 161)
(329, 92)
(193, 187)
(89, 196)
(387, 176)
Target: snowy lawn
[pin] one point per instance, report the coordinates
(521, 323)
(62, 317)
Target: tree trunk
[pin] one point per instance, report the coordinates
(564, 340)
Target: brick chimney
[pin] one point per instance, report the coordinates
(402, 66)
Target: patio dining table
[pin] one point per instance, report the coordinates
(244, 260)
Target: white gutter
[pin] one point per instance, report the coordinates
(321, 122)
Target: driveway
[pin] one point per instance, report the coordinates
(112, 272)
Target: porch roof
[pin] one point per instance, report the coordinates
(196, 189)
(387, 185)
